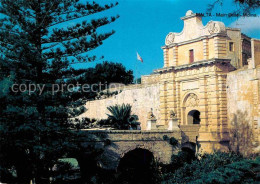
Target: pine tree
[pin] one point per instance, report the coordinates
(244, 7)
(39, 42)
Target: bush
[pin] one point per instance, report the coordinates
(198, 167)
(174, 142)
(246, 171)
(121, 118)
(66, 171)
(84, 123)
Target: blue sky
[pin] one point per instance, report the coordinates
(144, 24)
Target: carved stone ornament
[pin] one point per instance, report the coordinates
(188, 13)
(151, 115)
(172, 114)
(214, 28)
(169, 38)
(192, 100)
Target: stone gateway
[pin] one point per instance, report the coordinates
(210, 73)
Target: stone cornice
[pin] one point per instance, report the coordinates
(194, 40)
(233, 29)
(190, 16)
(193, 65)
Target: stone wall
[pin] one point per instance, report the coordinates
(256, 52)
(123, 141)
(142, 97)
(150, 79)
(243, 94)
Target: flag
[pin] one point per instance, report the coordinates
(139, 57)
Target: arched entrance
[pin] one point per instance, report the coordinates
(190, 110)
(136, 167)
(193, 117)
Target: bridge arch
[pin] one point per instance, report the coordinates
(148, 147)
(190, 148)
(139, 156)
(124, 141)
(136, 166)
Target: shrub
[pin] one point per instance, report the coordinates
(198, 167)
(245, 171)
(121, 117)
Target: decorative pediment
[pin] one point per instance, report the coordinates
(193, 29)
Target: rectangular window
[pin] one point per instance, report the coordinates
(191, 56)
(231, 46)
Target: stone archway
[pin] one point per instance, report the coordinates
(140, 157)
(190, 150)
(193, 117)
(190, 109)
(189, 146)
(136, 166)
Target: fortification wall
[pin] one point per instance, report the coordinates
(256, 52)
(142, 97)
(243, 94)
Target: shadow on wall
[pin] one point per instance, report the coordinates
(241, 134)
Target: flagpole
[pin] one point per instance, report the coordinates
(136, 69)
(138, 58)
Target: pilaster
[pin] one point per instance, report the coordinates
(163, 100)
(175, 55)
(220, 47)
(166, 57)
(205, 49)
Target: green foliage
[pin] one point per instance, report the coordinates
(101, 76)
(106, 73)
(72, 161)
(245, 171)
(138, 81)
(190, 172)
(165, 137)
(174, 142)
(105, 94)
(121, 118)
(66, 171)
(177, 161)
(38, 45)
(245, 6)
(84, 123)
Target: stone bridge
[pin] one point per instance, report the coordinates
(117, 143)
